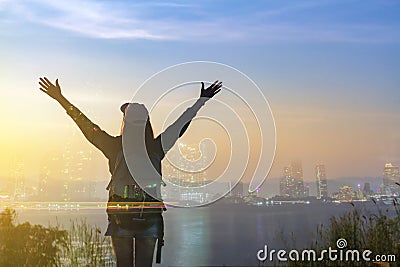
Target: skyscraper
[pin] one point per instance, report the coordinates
(322, 185)
(292, 184)
(238, 190)
(391, 176)
(297, 173)
(19, 179)
(359, 192)
(367, 190)
(287, 182)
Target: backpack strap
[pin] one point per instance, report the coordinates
(160, 243)
(117, 163)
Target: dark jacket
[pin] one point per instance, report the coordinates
(111, 146)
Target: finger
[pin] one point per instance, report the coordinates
(202, 86)
(57, 84)
(216, 92)
(45, 82)
(48, 81)
(41, 89)
(43, 85)
(216, 87)
(212, 85)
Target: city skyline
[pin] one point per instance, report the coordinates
(66, 178)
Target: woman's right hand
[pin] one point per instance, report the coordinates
(54, 91)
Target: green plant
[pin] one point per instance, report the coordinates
(26, 244)
(85, 246)
(34, 245)
(362, 230)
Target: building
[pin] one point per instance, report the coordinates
(75, 175)
(66, 177)
(322, 185)
(185, 168)
(297, 173)
(306, 190)
(391, 176)
(359, 192)
(14, 187)
(50, 186)
(292, 184)
(346, 193)
(286, 183)
(237, 190)
(367, 191)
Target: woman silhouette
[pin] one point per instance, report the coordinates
(135, 228)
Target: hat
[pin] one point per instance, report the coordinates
(135, 112)
(123, 107)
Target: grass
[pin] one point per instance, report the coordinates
(35, 245)
(85, 246)
(377, 231)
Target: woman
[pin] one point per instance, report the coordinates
(135, 228)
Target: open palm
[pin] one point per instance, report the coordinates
(50, 89)
(211, 91)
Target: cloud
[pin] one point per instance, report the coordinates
(200, 21)
(88, 18)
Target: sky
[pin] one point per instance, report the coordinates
(330, 71)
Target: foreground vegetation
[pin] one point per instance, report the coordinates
(377, 231)
(35, 245)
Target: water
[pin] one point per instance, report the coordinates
(220, 235)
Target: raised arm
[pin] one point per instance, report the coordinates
(167, 139)
(91, 131)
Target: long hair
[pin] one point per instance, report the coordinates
(139, 112)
